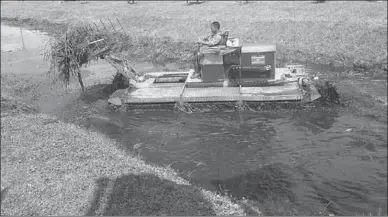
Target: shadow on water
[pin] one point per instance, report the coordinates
(104, 91)
(316, 122)
(147, 194)
(268, 182)
(97, 92)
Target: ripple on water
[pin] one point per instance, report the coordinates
(307, 159)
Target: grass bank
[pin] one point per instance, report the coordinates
(350, 34)
(54, 168)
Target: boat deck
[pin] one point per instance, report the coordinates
(151, 92)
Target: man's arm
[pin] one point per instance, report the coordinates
(213, 41)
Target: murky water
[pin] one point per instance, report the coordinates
(304, 159)
(307, 159)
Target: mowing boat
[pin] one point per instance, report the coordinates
(227, 73)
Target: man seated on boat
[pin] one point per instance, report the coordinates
(212, 40)
(215, 37)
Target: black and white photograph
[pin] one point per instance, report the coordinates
(194, 108)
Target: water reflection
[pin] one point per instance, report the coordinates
(316, 121)
(268, 182)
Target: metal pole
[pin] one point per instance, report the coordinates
(21, 31)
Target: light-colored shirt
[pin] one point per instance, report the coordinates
(214, 39)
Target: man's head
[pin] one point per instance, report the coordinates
(215, 27)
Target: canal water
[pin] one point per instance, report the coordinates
(308, 160)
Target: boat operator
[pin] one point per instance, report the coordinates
(212, 40)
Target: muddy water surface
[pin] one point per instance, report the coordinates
(306, 159)
(301, 159)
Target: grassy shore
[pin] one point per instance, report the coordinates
(344, 33)
(52, 168)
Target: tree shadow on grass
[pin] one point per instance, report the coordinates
(147, 194)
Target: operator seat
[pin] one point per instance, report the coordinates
(222, 44)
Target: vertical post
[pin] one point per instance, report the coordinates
(21, 31)
(306, 65)
(240, 103)
(80, 80)
(21, 34)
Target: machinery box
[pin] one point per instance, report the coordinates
(258, 61)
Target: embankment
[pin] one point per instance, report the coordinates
(345, 34)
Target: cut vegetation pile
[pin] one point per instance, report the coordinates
(79, 45)
(76, 46)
